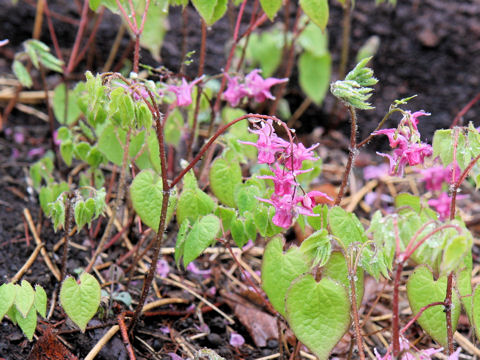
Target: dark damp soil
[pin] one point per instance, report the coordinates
(427, 48)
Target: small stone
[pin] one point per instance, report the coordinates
(272, 343)
(214, 339)
(428, 38)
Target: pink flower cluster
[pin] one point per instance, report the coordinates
(435, 176)
(434, 179)
(254, 86)
(287, 159)
(405, 139)
(184, 92)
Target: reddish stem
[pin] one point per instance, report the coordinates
(78, 38)
(420, 312)
(465, 110)
(216, 107)
(91, 37)
(53, 36)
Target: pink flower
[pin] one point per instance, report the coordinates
(283, 180)
(412, 118)
(442, 205)
(194, 269)
(236, 340)
(375, 172)
(300, 153)
(137, 90)
(259, 88)
(287, 207)
(162, 268)
(436, 176)
(235, 91)
(309, 202)
(394, 137)
(184, 91)
(405, 139)
(268, 143)
(408, 353)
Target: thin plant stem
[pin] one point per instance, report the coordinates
(356, 320)
(78, 38)
(53, 35)
(465, 110)
(216, 107)
(91, 37)
(448, 314)
(184, 40)
(201, 63)
(379, 126)
(252, 21)
(67, 228)
(289, 65)
(351, 155)
(420, 312)
(396, 285)
(162, 223)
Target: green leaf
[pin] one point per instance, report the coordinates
(346, 227)
(202, 235)
(443, 146)
(409, 201)
(28, 324)
(62, 98)
(66, 150)
(314, 40)
(356, 89)
(227, 215)
(317, 11)
(422, 290)
(7, 298)
(453, 254)
(271, 7)
(180, 243)
(146, 192)
(319, 222)
(318, 313)
(24, 298)
(57, 213)
(279, 269)
(239, 236)
(314, 74)
(22, 74)
(83, 212)
(40, 300)
(210, 10)
(246, 198)
(80, 300)
(464, 285)
(155, 26)
(194, 203)
(224, 177)
(337, 270)
(173, 127)
(317, 247)
(476, 310)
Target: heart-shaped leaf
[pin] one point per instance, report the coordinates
(146, 192)
(422, 290)
(224, 177)
(203, 233)
(80, 301)
(280, 269)
(28, 324)
(24, 298)
(318, 313)
(7, 297)
(317, 11)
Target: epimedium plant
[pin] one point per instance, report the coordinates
(137, 125)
